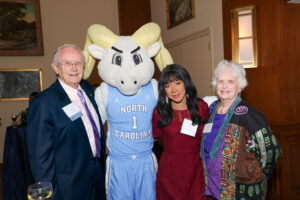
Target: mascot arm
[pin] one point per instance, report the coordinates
(155, 88)
(101, 96)
(210, 99)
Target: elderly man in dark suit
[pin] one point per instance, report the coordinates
(65, 137)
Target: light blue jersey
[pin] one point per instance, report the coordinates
(129, 117)
(131, 165)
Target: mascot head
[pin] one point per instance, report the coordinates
(125, 61)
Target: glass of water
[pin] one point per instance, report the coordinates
(40, 191)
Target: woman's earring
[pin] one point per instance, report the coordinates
(187, 96)
(167, 99)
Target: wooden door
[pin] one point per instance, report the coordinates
(133, 14)
(274, 86)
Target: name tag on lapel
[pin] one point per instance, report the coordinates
(188, 128)
(72, 111)
(207, 128)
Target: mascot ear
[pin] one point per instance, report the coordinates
(153, 49)
(96, 51)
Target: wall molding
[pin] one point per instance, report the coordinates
(198, 34)
(187, 38)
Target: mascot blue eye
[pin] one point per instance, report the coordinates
(137, 59)
(117, 59)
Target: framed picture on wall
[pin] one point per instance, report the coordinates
(179, 11)
(17, 84)
(20, 28)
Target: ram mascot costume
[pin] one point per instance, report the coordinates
(126, 100)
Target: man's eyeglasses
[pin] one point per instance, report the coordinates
(70, 64)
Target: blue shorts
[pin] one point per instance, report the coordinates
(131, 177)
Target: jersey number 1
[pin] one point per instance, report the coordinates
(134, 122)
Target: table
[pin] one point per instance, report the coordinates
(16, 170)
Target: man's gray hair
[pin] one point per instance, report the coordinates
(57, 52)
(237, 69)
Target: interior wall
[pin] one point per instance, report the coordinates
(274, 86)
(62, 22)
(208, 16)
(200, 72)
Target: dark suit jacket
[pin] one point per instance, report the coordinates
(59, 149)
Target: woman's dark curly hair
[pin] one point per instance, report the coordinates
(172, 73)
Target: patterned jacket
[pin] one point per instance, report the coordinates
(249, 154)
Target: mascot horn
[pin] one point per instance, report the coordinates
(126, 99)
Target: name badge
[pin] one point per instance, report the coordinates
(188, 128)
(207, 127)
(72, 111)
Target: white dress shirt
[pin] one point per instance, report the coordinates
(72, 94)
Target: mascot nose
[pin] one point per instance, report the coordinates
(135, 82)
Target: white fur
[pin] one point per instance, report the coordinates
(128, 72)
(210, 99)
(101, 96)
(96, 51)
(155, 88)
(128, 77)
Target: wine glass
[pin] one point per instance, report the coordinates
(40, 191)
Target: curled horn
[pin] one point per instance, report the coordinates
(101, 36)
(163, 58)
(147, 35)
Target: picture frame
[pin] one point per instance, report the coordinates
(20, 28)
(179, 11)
(17, 84)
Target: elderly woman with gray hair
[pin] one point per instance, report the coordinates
(238, 148)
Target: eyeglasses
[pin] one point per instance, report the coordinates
(70, 64)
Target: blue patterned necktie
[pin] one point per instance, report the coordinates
(95, 129)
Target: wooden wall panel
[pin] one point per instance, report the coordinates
(133, 14)
(289, 61)
(274, 87)
(285, 183)
(293, 151)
